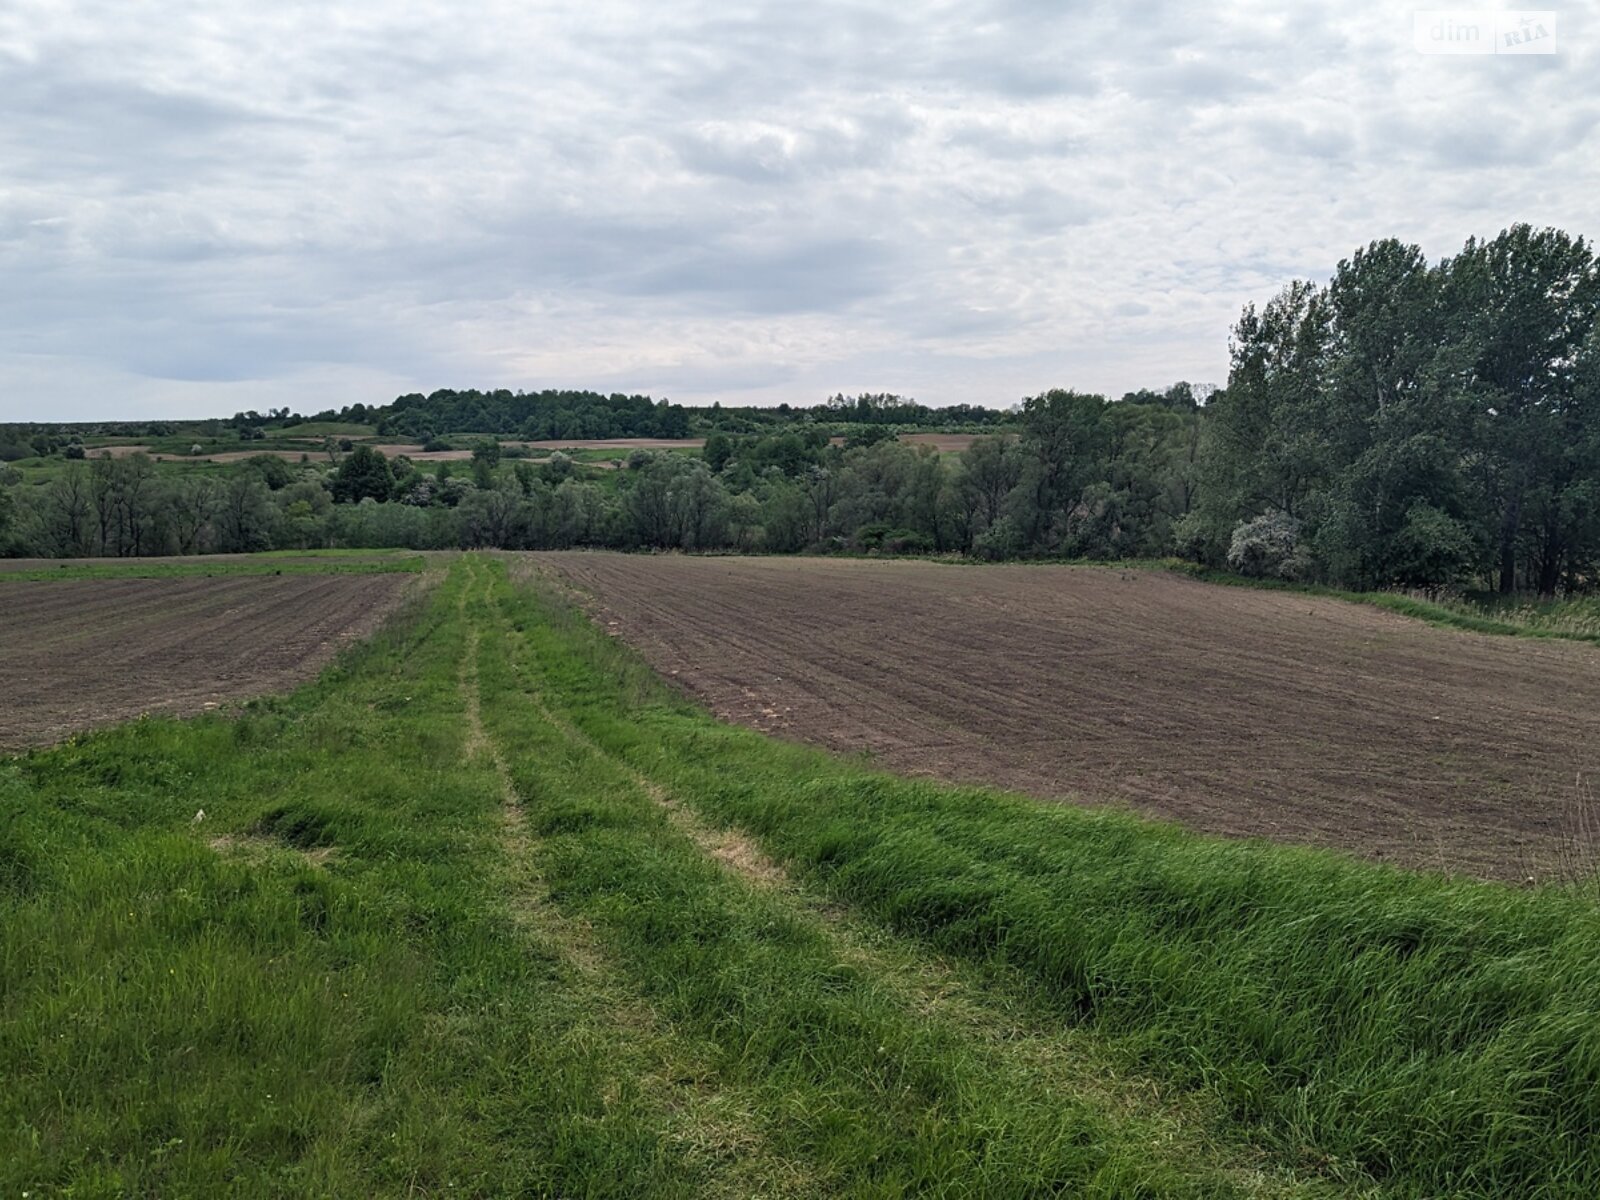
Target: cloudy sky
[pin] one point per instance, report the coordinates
(207, 207)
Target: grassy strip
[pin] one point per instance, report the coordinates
(1440, 1036)
(361, 564)
(865, 1095)
(316, 989)
(1571, 620)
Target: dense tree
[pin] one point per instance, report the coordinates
(992, 466)
(364, 474)
(1522, 313)
(1428, 425)
(718, 450)
(243, 515)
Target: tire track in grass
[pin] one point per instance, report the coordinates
(710, 1124)
(1014, 1042)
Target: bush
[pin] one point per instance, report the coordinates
(1194, 538)
(1432, 549)
(1268, 547)
(880, 537)
(1003, 539)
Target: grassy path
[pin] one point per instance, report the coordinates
(880, 1069)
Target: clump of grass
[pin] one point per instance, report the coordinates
(1570, 616)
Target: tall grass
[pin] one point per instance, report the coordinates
(1440, 1036)
(1570, 616)
(1574, 617)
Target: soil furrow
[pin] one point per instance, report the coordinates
(1239, 712)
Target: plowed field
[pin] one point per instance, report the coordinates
(80, 653)
(1233, 711)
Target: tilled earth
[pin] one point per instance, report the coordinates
(85, 652)
(1230, 710)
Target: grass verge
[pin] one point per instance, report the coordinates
(1576, 619)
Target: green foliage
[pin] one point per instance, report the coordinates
(272, 470)
(536, 416)
(1430, 425)
(718, 450)
(1427, 426)
(365, 474)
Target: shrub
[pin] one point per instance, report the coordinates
(1003, 539)
(1194, 538)
(1268, 547)
(1432, 549)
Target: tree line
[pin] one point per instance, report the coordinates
(1417, 424)
(1406, 424)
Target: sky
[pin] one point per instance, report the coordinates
(207, 207)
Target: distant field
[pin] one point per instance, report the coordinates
(1233, 711)
(944, 443)
(88, 651)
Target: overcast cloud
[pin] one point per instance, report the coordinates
(211, 207)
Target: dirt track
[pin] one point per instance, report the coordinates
(1234, 711)
(86, 652)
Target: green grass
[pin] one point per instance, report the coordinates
(280, 562)
(488, 910)
(347, 429)
(844, 1073)
(1575, 619)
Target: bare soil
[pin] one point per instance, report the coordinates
(85, 652)
(1233, 711)
(218, 561)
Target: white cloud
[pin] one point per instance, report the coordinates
(310, 205)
